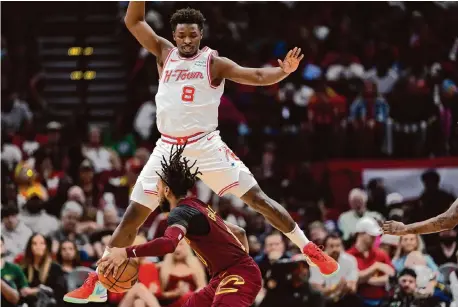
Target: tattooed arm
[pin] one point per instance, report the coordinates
(445, 221)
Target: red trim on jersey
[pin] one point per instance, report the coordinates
(183, 139)
(224, 190)
(150, 192)
(201, 51)
(209, 75)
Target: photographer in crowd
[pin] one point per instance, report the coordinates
(405, 293)
(287, 284)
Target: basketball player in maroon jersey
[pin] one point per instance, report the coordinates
(235, 277)
(190, 87)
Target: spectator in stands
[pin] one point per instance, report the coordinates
(148, 285)
(340, 289)
(434, 200)
(357, 199)
(77, 194)
(142, 154)
(56, 182)
(71, 215)
(102, 158)
(180, 273)
(87, 184)
(15, 112)
(368, 116)
(29, 140)
(326, 108)
(374, 265)
(40, 269)
(318, 233)
(254, 246)
(405, 292)
(447, 249)
(408, 244)
(274, 249)
(121, 187)
(384, 74)
(389, 244)
(98, 238)
(34, 215)
(68, 256)
(11, 154)
(119, 139)
(13, 279)
(14, 232)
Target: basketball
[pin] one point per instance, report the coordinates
(124, 280)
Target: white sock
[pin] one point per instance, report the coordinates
(298, 237)
(105, 252)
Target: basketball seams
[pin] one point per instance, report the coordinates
(113, 286)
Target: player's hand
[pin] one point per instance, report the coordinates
(112, 261)
(394, 228)
(291, 61)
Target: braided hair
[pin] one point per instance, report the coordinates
(176, 173)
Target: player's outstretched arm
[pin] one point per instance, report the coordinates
(223, 68)
(445, 221)
(145, 35)
(154, 248)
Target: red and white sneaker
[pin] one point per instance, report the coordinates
(90, 291)
(316, 257)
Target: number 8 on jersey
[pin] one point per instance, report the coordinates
(188, 93)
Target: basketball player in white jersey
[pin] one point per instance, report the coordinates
(190, 87)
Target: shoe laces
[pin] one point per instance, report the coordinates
(91, 280)
(319, 253)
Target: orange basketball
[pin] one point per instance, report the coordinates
(124, 280)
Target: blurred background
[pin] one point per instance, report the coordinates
(365, 130)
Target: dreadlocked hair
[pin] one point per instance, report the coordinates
(187, 16)
(176, 172)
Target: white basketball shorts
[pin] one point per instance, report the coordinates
(222, 171)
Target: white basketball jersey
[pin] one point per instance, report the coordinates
(186, 101)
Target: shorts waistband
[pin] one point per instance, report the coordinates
(183, 139)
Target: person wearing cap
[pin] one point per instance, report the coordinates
(14, 231)
(374, 264)
(34, 214)
(357, 199)
(339, 289)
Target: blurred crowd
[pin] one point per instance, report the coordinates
(378, 80)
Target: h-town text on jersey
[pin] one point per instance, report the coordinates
(181, 74)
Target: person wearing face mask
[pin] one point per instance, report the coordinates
(339, 289)
(447, 249)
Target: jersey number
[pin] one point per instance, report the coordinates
(188, 94)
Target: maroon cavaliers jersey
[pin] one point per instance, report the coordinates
(219, 248)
